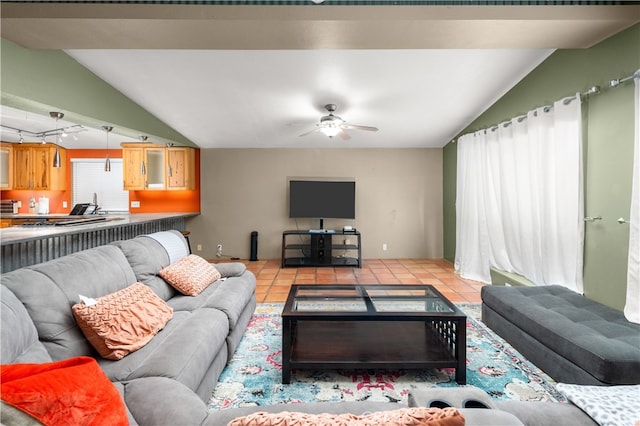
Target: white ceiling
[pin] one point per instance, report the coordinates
(266, 96)
(242, 99)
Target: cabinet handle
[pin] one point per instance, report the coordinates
(143, 169)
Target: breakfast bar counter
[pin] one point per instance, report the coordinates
(28, 245)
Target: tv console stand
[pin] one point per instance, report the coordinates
(321, 248)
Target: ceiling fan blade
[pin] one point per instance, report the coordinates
(344, 135)
(309, 132)
(356, 127)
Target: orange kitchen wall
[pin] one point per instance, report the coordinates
(169, 201)
(150, 201)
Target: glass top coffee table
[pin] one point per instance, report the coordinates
(375, 326)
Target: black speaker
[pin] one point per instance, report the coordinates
(254, 246)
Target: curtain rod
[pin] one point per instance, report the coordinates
(618, 81)
(593, 90)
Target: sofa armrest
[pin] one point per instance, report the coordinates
(230, 269)
(536, 413)
(163, 401)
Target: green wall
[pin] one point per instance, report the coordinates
(608, 146)
(40, 81)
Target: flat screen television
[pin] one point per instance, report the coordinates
(322, 199)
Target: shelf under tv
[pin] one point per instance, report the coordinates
(308, 248)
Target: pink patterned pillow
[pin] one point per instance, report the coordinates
(416, 416)
(124, 321)
(190, 275)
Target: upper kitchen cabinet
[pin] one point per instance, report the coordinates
(6, 165)
(33, 167)
(181, 168)
(133, 167)
(148, 166)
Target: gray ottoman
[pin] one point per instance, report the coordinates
(570, 337)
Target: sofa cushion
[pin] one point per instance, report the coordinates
(182, 351)
(230, 295)
(402, 416)
(122, 322)
(18, 335)
(147, 257)
(54, 287)
(190, 275)
(591, 335)
(72, 391)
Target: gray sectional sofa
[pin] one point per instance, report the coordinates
(168, 381)
(181, 363)
(572, 338)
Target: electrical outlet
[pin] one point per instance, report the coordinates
(199, 247)
(219, 250)
(64, 205)
(384, 246)
(135, 204)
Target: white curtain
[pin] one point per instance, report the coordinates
(519, 202)
(632, 306)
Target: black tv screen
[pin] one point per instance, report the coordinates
(322, 199)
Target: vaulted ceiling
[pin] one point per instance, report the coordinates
(226, 75)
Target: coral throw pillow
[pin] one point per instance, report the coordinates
(122, 322)
(70, 392)
(190, 275)
(417, 416)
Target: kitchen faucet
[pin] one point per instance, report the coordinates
(95, 203)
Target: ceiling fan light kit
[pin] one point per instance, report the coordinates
(332, 125)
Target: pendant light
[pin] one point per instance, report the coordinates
(107, 161)
(143, 168)
(56, 158)
(56, 155)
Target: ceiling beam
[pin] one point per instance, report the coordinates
(187, 26)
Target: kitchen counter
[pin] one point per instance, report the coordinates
(28, 245)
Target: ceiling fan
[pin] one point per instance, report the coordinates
(332, 125)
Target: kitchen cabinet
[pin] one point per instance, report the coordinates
(6, 165)
(33, 167)
(133, 168)
(148, 166)
(181, 173)
(143, 166)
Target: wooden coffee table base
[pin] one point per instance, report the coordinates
(380, 344)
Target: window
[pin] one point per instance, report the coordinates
(88, 177)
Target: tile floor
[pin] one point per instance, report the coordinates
(274, 282)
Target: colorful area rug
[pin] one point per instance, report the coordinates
(253, 375)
